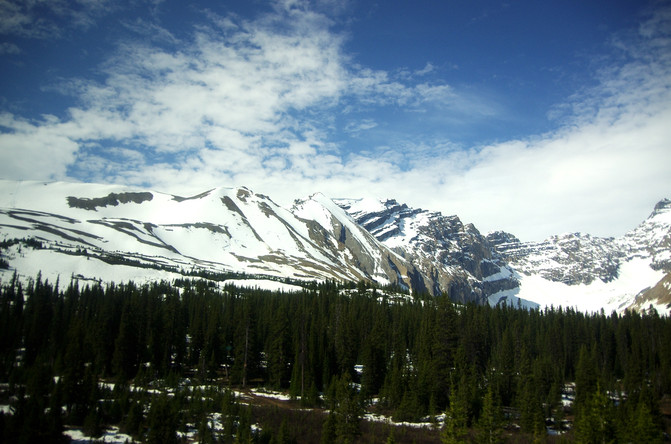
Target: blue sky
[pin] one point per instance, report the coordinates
(534, 117)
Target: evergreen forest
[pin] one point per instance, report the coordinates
(190, 361)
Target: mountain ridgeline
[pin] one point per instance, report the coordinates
(112, 233)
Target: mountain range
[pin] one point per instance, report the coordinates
(111, 233)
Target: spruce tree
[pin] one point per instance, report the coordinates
(455, 429)
(162, 421)
(489, 424)
(347, 411)
(644, 427)
(594, 421)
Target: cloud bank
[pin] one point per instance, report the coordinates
(260, 103)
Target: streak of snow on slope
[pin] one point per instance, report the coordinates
(397, 230)
(51, 265)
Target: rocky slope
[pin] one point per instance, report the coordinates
(657, 298)
(459, 260)
(571, 259)
(579, 258)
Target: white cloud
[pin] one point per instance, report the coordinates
(357, 126)
(254, 102)
(427, 69)
(29, 148)
(601, 173)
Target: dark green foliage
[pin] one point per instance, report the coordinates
(162, 421)
(595, 421)
(490, 423)
(488, 368)
(346, 410)
(456, 416)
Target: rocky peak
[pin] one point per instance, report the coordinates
(496, 238)
(663, 206)
(573, 258)
(456, 257)
(652, 238)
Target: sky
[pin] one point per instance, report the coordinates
(536, 118)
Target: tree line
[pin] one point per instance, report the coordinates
(496, 373)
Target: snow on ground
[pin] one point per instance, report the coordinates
(373, 417)
(504, 273)
(110, 434)
(264, 284)
(662, 309)
(363, 205)
(50, 264)
(511, 298)
(271, 394)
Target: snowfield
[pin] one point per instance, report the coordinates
(617, 295)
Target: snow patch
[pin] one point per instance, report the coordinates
(264, 284)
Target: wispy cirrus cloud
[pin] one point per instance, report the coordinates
(265, 102)
(48, 19)
(9, 48)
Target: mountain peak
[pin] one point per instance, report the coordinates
(662, 207)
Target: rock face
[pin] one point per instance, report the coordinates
(651, 239)
(457, 259)
(571, 259)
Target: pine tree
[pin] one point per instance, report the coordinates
(594, 421)
(162, 421)
(126, 350)
(277, 349)
(455, 429)
(489, 425)
(329, 429)
(205, 435)
(585, 377)
(282, 436)
(348, 410)
(644, 427)
(133, 421)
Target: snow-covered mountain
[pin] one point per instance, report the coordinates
(571, 270)
(113, 233)
(457, 258)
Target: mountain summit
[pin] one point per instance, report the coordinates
(113, 233)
